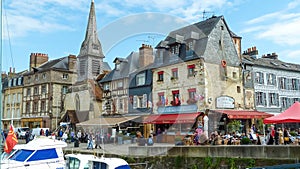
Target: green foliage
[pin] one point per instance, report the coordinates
(129, 159)
(232, 164)
(251, 163)
(194, 166)
(260, 125)
(178, 162)
(234, 126)
(245, 140)
(293, 133)
(207, 162)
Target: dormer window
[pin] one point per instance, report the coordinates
(174, 49)
(190, 46)
(117, 66)
(140, 79)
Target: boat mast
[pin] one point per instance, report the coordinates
(1, 99)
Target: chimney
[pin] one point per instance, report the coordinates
(37, 59)
(11, 73)
(72, 62)
(145, 55)
(270, 56)
(3, 75)
(251, 51)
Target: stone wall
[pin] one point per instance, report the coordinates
(247, 151)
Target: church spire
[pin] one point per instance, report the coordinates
(91, 44)
(90, 58)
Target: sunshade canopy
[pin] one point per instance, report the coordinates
(290, 115)
(244, 114)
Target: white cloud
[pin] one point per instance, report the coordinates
(294, 4)
(290, 55)
(42, 16)
(263, 18)
(283, 33)
(280, 28)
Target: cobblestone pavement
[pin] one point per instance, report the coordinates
(119, 149)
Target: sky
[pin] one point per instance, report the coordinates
(57, 27)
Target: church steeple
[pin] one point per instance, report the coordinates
(91, 56)
(91, 44)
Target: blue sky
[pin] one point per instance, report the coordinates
(57, 27)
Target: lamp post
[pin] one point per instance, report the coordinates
(225, 125)
(50, 116)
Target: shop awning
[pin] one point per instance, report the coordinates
(171, 118)
(243, 114)
(107, 121)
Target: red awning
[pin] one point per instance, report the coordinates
(244, 114)
(171, 118)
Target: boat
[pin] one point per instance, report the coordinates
(85, 161)
(42, 152)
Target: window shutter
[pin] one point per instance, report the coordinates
(144, 100)
(264, 99)
(135, 102)
(277, 99)
(117, 104)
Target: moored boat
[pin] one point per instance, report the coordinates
(85, 161)
(42, 152)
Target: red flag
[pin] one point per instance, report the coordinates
(11, 140)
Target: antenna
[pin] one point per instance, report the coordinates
(144, 41)
(152, 38)
(206, 12)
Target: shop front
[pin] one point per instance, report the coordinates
(173, 121)
(38, 122)
(219, 119)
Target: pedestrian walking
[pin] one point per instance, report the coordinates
(97, 140)
(90, 141)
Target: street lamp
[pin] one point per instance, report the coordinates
(225, 125)
(50, 116)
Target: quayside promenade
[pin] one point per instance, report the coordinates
(166, 149)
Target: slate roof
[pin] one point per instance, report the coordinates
(106, 66)
(206, 36)
(271, 63)
(203, 28)
(127, 65)
(58, 64)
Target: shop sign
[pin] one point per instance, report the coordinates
(177, 109)
(225, 102)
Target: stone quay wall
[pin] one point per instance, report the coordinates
(247, 151)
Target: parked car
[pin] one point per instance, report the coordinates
(21, 131)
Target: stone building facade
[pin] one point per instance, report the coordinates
(276, 84)
(44, 90)
(12, 99)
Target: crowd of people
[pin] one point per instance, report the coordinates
(274, 136)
